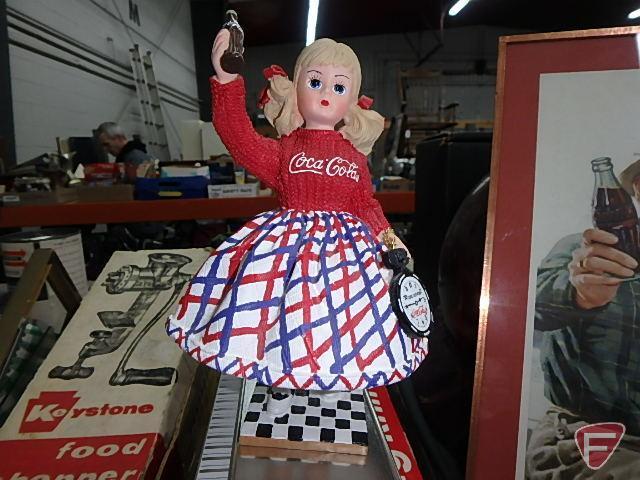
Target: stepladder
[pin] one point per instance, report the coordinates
(150, 103)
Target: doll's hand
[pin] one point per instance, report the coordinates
(220, 44)
(399, 244)
(390, 240)
(395, 240)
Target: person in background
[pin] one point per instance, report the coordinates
(137, 163)
(132, 153)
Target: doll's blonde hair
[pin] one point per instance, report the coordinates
(361, 127)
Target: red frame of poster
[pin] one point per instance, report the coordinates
(522, 59)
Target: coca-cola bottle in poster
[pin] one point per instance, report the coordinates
(613, 209)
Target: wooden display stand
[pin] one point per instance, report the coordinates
(314, 427)
(43, 266)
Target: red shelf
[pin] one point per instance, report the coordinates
(163, 210)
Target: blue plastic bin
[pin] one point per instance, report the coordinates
(171, 188)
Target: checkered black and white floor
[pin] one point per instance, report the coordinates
(313, 417)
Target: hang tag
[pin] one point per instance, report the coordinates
(409, 298)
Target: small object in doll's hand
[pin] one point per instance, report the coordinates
(395, 259)
(232, 60)
(409, 298)
(410, 303)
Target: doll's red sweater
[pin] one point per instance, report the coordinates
(308, 169)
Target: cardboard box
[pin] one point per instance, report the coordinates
(105, 193)
(107, 401)
(234, 190)
(185, 171)
(191, 139)
(397, 184)
(200, 140)
(60, 195)
(211, 143)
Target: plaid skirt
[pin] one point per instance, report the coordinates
(297, 299)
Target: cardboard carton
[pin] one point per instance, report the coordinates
(107, 400)
(60, 195)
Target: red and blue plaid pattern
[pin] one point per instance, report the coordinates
(296, 299)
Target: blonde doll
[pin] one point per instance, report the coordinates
(296, 298)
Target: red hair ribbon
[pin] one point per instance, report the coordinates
(264, 98)
(273, 70)
(269, 73)
(365, 102)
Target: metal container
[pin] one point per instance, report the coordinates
(18, 247)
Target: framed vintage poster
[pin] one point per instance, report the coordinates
(557, 392)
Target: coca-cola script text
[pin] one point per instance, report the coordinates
(333, 167)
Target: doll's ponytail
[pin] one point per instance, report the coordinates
(362, 127)
(279, 101)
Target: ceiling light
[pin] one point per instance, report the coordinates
(634, 14)
(459, 5)
(312, 19)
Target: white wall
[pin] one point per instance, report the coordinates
(382, 56)
(51, 98)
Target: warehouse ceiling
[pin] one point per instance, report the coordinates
(283, 21)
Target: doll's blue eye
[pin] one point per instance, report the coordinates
(339, 89)
(315, 83)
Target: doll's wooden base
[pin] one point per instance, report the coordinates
(311, 456)
(313, 423)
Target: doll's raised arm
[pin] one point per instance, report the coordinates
(258, 154)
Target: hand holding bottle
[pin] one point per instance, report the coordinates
(220, 45)
(598, 268)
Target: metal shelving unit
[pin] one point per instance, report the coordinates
(164, 210)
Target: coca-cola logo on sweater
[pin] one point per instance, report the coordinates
(333, 167)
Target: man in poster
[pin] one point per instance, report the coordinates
(588, 308)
